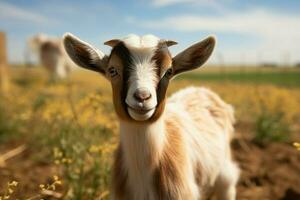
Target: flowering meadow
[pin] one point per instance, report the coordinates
(68, 129)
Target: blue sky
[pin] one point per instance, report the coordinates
(247, 31)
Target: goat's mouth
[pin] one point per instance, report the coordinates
(140, 110)
(140, 114)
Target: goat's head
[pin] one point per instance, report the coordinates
(139, 69)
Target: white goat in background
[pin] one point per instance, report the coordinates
(175, 149)
(51, 55)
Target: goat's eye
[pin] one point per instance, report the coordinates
(169, 73)
(112, 71)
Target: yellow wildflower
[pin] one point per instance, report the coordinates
(297, 145)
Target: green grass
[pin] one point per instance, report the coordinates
(9, 129)
(271, 127)
(287, 78)
(281, 76)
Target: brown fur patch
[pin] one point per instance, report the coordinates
(162, 59)
(49, 55)
(198, 174)
(120, 58)
(169, 177)
(118, 87)
(119, 182)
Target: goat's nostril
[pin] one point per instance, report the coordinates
(142, 94)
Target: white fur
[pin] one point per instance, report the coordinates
(138, 142)
(146, 41)
(143, 73)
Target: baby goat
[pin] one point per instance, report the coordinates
(175, 149)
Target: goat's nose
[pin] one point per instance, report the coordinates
(142, 94)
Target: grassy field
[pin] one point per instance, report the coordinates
(64, 133)
(281, 77)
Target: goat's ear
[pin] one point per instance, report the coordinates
(194, 56)
(112, 43)
(170, 43)
(84, 54)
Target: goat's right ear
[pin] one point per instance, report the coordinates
(84, 54)
(194, 56)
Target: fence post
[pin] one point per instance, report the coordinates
(4, 79)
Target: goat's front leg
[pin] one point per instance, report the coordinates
(226, 182)
(172, 182)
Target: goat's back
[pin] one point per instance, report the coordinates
(205, 106)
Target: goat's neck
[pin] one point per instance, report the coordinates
(142, 146)
(142, 143)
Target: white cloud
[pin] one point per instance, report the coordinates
(276, 32)
(164, 3)
(257, 22)
(215, 4)
(12, 12)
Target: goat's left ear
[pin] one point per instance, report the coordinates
(194, 56)
(84, 55)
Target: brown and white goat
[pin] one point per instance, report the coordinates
(51, 55)
(175, 149)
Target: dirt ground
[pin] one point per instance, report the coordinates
(270, 172)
